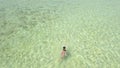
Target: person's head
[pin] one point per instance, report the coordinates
(64, 48)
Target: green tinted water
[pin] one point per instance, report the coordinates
(33, 32)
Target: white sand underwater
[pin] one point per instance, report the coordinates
(32, 33)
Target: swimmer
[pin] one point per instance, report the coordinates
(63, 53)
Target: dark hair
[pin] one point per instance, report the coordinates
(64, 48)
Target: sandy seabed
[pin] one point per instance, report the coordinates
(32, 33)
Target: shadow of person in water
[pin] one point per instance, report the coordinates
(68, 55)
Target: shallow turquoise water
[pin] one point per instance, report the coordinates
(33, 32)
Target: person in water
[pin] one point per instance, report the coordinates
(63, 53)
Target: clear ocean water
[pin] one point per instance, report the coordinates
(32, 33)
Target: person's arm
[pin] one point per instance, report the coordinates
(65, 53)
